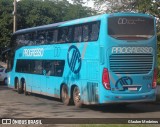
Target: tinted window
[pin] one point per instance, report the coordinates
(45, 67)
(20, 40)
(38, 68)
(94, 31)
(131, 28)
(41, 37)
(85, 33)
(75, 33)
(52, 36)
(21, 67)
(63, 35)
(78, 34)
(54, 67)
(70, 34)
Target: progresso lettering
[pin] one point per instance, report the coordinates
(33, 52)
(132, 50)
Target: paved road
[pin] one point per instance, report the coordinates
(14, 105)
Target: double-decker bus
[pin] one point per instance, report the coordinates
(109, 58)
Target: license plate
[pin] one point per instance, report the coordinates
(132, 88)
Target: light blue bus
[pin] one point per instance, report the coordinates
(109, 58)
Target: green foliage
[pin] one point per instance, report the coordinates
(37, 12)
(6, 8)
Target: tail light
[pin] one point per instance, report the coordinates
(154, 83)
(105, 79)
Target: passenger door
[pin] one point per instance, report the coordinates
(38, 77)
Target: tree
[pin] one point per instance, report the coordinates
(38, 12)
(35, 13)
(6, 25)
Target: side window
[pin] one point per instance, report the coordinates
(38, 67)
(41, 37)
(63, 35)
(94, 31)
(78, 33)
(52, 36)
(27, 38)
(18, 66)
(31, 66)
(48, 67)
(33, 38)
(59, 68)
(85, 33)
(54, 67)
(21, 67)
(20, 40)
(70, 34)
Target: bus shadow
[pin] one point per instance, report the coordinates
(130, 108)
(45, 97)
(109, 108)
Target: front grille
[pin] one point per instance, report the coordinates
(131, 63)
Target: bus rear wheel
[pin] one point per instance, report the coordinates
(24, 89)
(64, 95)
(17, 86)
(77, 97)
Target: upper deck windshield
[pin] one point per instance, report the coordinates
(131, 27)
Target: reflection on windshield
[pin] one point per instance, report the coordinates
(131, 28)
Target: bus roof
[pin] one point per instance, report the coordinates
(77, 21)
(54, 25)
(32, 29)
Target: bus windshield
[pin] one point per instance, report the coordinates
(131, 28)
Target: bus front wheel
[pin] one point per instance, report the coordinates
(77, 97)
(64, 95)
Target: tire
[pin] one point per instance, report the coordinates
(17, 86)
(24, 89)
(77, 97)
(64, 95)
(21, 88)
